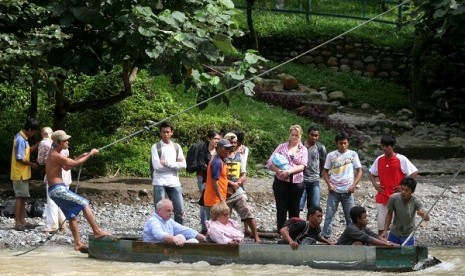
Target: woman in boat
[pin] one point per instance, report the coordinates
(221, 228)
(288, 161)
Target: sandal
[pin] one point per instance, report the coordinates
(30, 225)
(20, 227)
(84, 249)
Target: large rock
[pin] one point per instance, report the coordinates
(289, 82)
(337, 96)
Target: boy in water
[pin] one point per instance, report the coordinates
(403, 207)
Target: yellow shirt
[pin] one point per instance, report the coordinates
(19, 170)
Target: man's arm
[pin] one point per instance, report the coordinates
(414, 174)
(69, 163)
(325, 240)
(387, 224)
(328, 182)
(381, 242)
(358, 176)
(285, 234)
(422, 213)
(375, 184)
(216, 188)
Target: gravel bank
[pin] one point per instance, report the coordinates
(126, 217)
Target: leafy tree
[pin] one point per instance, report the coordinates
(25, 40)
(93, 36)
(439, 48)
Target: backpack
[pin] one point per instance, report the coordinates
(191, 157)
(176, 145)
(294, 220)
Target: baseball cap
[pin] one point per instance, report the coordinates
(224, 143)
(60, 135)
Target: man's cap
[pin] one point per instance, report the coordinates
(60, 135)
(230, 136)
(224, 143)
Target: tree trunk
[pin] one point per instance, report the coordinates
(62, 106)
(253, 35)
(59, 115)
(34, 96)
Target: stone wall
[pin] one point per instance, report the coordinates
(344, 54)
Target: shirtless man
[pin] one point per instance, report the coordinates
(70, 203)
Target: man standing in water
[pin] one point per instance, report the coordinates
(70, 203)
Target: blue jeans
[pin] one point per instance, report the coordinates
(202, 212)
(175, 195)
(347, 201)
(312, 193)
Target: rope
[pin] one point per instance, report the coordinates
(434, 204)
(42, 243)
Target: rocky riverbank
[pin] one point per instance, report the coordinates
(122, 206)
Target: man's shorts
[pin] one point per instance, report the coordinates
(381, 217)
(70, 203)
(21, 188)
(242, 207)
(400, 240)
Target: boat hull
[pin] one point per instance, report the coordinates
(316, 256)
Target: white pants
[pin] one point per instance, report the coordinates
(54, 217)
(381, 217)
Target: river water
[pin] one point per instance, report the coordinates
(49, 260)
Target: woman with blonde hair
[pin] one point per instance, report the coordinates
(288, 162)
(221, 228)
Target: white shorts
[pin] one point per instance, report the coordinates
(381, 217)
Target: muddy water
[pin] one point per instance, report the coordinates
(63, 261)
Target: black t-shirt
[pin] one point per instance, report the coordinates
(298, 227)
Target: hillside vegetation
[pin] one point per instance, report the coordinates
(156, 99)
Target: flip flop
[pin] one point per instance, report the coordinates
(20, 227)
(84, 249)
(30, 225)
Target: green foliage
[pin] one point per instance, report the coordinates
(438, 53)
(382, 95)
(294, 25)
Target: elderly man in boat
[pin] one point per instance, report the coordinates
(160, 227)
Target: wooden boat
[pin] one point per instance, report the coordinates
(316, 256)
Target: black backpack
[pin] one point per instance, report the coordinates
(191, 157)
(176, 145)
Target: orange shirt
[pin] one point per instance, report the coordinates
(216, 171)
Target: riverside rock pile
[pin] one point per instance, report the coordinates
(446, 228)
